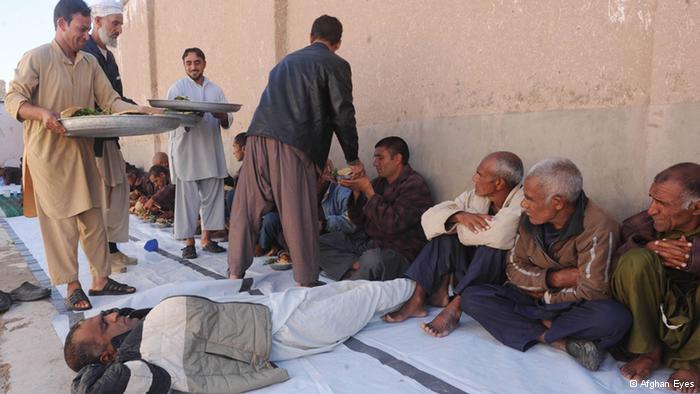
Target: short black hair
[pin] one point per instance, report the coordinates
(394, 145)
(79, 354)
(157, 170)
(687, 174)
(194, 50)
(328, 28)
(67, 8)
(239, 139)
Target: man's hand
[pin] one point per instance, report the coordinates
(359, 185)
(152, 110)
(567, 277)
(358, 169)
(150, 205)
(50, 120)
(475, 222)
(674, 253)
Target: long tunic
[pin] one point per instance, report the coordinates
(59, 171)
(198, 153)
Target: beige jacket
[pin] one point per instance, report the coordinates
(500, 235)
(586, 242)
(60, 172)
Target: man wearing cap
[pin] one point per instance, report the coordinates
(107, 26)
(61, 182)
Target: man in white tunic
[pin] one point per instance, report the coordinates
(198, 165)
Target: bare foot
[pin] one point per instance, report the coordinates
(440, 298)
(414, 307)
(641, 366)
(445, 322)
(684, 381)
(73, 286)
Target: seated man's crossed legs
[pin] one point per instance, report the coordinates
(584, 329)
(354, 256)
(439, 259)
(665, 308)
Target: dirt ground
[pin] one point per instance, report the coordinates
(31, 355)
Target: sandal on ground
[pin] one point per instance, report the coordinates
(213, 247)
(189, 252)
(75, 298)
(29, 292)
(5, 301)
(112, 287)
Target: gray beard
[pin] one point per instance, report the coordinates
(106, 39)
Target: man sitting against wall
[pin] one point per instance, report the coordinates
(558, 290)
(658, 278)
(387, 213)
(162, 202)
(469, 238)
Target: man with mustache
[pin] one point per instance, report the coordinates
(61, 181)
(658, 279)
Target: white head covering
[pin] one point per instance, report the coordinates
(106, 7)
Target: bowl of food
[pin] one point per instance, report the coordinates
(342, 174)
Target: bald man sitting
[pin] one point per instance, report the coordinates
(469, 238)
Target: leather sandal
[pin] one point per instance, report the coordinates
(112, 287)
(29, 292)
(213, 247)
(72, 300)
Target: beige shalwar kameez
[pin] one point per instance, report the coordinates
(61, 182)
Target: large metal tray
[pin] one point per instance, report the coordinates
(119, 125)
(185, 105)
(186, 119)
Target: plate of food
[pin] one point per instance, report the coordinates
(87, 122)
(163, 223)
(342, 174)
(280, 263)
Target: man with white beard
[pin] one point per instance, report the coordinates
(107, 21)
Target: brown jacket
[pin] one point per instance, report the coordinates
(586, 242)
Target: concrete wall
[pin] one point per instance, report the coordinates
(611, 84)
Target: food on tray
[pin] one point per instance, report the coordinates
(73, 112)
(182, 98)
(342, 174)
(284, 258)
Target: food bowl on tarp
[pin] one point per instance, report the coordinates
(196, 106)
(119, 125)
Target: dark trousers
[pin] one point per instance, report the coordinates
(228, 203)
(275, 174)
(339, 251)
(271, 231)
(470, 264)
(515, 318)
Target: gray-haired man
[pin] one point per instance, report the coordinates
(559, 270)
(469, 237)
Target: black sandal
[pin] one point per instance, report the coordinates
(77, 296)
(112, 287)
